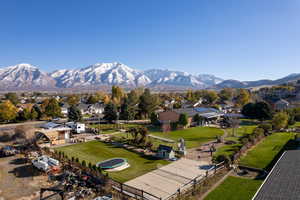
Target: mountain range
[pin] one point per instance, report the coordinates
(26, 76)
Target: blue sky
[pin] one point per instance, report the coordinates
(239, 39)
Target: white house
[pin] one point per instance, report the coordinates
(76, 127)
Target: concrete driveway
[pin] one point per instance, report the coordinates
(166, 180)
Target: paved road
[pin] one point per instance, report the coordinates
(4, 127)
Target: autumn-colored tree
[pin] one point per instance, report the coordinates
(73, 99)
(117, 94)
(106, 99)
(8, 111)
(243, 97)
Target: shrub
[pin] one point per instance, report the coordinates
(258, 132)
(77, 160)
(244, 140)
(222, 157)
(83, 163)
(267, 127)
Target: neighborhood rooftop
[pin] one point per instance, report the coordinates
(283, 180)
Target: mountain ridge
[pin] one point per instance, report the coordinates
(27, 76)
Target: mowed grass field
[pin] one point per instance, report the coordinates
(263, 153)
(193, 137)
(96, 151)
(235, 188)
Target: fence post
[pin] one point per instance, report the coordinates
(194, 186)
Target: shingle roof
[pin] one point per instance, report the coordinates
(283, 182)
(189, 111)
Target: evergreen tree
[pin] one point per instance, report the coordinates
(154, 119)
(183, 119)
(74, 114)
(124, 114)
(147, 103)
(110, 112)
(36, 109)
(12, 97)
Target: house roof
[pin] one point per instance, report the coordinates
(283, 181)
(164, 148)
(282, 101)
(189, 111)
(50, 125)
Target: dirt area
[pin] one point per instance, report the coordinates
(202, 153)
(19, 180)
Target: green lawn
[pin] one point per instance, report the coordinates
(297, 124)
(193, 137)
(263, 153)
(242, 130)
(96, 151)
(235, 188)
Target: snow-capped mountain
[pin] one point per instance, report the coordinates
(24, 76)
(99, 74)
(167, 77)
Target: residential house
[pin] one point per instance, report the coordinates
(283, 180)
(281, 105)
(65, 109)
(210, 115)
(91, 109)
(165, 152)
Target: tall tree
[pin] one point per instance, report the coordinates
(147, 103)
(183, 119)
(117, 94)
(125, 114)
(12, 97)
(110, 112)
(243, 97)
(211, 96)
(259, 110)
(74, 114)
(8, 111)
(154, 119)
(226, 94)
(53, 109)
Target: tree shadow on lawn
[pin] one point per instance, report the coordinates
(248, 122)
(148, 157)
